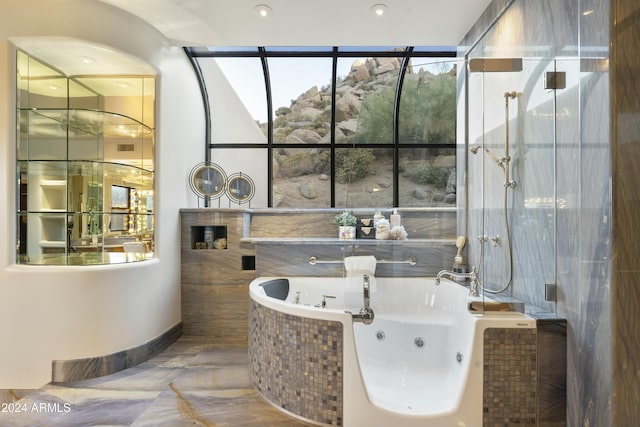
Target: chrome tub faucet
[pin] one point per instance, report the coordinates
(366, 312)
(472, 276)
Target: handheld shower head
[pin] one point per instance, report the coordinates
(493, 156)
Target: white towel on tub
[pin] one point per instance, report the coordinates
(360, 265)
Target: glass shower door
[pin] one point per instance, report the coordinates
(512, 170)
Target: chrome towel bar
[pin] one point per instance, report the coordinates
(313, 260)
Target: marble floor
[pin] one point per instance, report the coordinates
(192, 383)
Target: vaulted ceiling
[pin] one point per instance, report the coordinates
(308, 22)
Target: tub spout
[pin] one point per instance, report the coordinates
(472, 276)
(365, 316)
(366, 313)
(366, 285)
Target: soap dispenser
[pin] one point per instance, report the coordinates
(394, 219)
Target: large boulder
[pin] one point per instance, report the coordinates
(340, 136)
(303, 136)
(359, 71)
(310, 96)
(310, 113)
(347, 106)
(308, 190)
(347, 127)
(385, 65)
(420, 193)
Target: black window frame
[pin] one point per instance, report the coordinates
(335, 53)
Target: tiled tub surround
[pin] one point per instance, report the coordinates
(296, 363)
(299, 364)
(509, 372)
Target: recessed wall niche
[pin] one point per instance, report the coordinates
(85, 166)
(209, 237)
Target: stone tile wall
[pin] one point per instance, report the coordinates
(509, 378)
(297, 364)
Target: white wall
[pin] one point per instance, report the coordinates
(49, 313)
(231, 122)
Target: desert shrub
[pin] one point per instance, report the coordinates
(323, 162)
(352, 165)
(426, 174)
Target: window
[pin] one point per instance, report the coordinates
(335, 127)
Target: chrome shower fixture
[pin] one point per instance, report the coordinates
(503, 162)
(506, 159)
(499, 161)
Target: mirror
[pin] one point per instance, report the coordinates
(208, 180)
(240, 188)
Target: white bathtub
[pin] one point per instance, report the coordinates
(418, 364)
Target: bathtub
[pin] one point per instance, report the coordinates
(419, 363)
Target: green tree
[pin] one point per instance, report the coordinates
(375, 123)
(427, 111)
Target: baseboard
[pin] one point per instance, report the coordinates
(91, 367)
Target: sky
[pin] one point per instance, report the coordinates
(290, 77)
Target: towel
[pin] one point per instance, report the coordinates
(359, 265)
(356, 267)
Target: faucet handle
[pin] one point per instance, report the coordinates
(324, 299)
(296, 299)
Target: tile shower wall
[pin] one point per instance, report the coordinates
(571, 212)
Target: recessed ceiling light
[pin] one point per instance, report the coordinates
(263, 10)
(86, 59)
(123, 85)
(379, 9)
(53, 87)
(587, 12)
